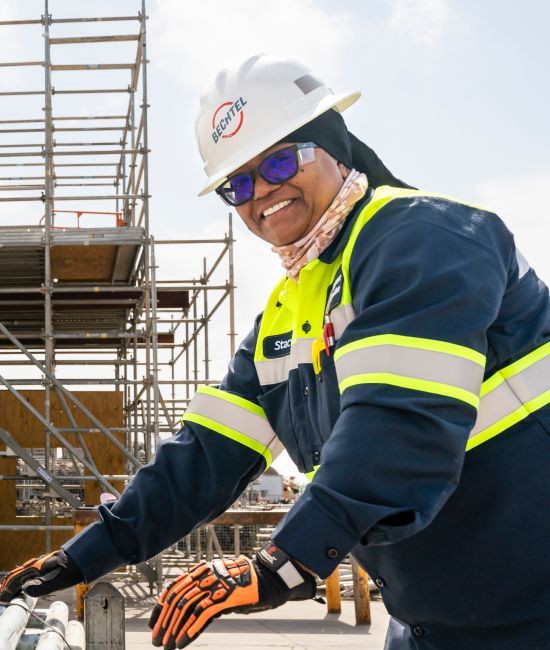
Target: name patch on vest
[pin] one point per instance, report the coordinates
(277, 346)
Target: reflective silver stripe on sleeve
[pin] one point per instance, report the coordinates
(511, 400)
(426, 365)
(232, 416)
(274, 371)
(341, 317)
(290, 575)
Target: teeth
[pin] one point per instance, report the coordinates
(276, 208)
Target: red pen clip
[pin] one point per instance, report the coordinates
(328, 336)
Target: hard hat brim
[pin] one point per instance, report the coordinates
(337, 102)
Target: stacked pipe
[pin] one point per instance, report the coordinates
(23, 628)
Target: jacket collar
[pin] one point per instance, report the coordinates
(335, 247)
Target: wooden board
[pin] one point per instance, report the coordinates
(107, 406)
(83, 263)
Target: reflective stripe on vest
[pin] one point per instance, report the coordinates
(341, 317)
(273, 371)
(409, 362)
(234, 417)
(512, 394)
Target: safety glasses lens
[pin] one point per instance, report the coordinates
(280, 166)
(238, 190)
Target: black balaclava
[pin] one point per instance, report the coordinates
(329, 131)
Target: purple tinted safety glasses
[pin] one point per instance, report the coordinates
(276, 168)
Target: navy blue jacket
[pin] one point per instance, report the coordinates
(458, 540)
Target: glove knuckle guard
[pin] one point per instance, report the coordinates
(190, 604)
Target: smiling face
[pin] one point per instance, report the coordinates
(284, 213)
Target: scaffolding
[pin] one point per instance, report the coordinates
(78, 297)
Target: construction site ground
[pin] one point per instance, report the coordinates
(303, 625)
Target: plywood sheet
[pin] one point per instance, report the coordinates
(28, 430)
(83, 263)
(16, 548)
(14, 417)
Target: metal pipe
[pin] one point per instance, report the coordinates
(106, 152)
(91, 66)
(94, 39)
(154, 343)
(14, 620)
(205, 324)
(232, 333)
(76, 635)
(24, 528)
(49, 191)
(20, 63)
(56, 624)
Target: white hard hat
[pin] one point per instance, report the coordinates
(251, 107)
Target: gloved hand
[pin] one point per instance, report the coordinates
(41, 575)
(210, 589)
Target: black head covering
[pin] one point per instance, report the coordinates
(329, 131)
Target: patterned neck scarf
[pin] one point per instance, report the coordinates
(296, 255)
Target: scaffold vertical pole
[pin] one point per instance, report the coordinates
(232, 333)
(48, 214)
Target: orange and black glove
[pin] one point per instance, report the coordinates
(210, 589)
(41, 575)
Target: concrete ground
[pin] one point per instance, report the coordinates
(303, 625)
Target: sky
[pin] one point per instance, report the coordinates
(455, 100)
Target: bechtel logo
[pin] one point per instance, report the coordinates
(229, 112)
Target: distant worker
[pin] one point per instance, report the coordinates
(403, 362)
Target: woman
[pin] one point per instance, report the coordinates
(404, 363)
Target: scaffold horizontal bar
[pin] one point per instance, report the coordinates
(81, 91)
(22, 131)
(21, 178)
(88, 117)
(107, 19)
(26, 144)
(92, 66)
(20, 154)
(74, 382)
(72, 117)
(98, 335)
(66, 178)
(189, 241)
(20, 198)
(92, 164)
(106, 152)
(22, 528)
(21, 92)
(91, 197)
(9, 23)
(112, 38)
(8, 188)
(20, 64)
(82, 144)
(58, 129)
(85, 184)
(18, 164)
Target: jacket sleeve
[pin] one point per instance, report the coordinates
(410, 367)
(224, 443)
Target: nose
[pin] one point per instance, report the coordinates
(262, 188)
